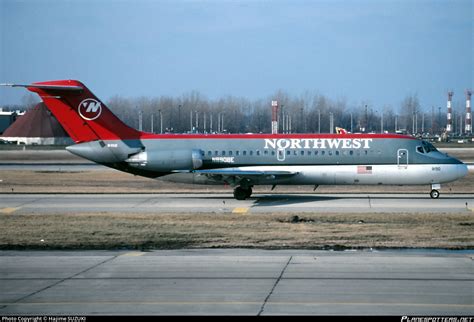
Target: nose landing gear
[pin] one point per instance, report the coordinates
(434, 194)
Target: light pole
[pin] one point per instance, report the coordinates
(439, 120)
(197, 121)
(319, 121)
(152, 117)
(351, 123)
(161, 122)
(366, 118)
(381, 122)
(422, 123)
(140, 117)
(331, 123)
(281, 116)
(179, 118)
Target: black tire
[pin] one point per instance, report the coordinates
(248, 192)
(434, 194)
(240, 193)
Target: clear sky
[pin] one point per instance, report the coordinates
(372, 50)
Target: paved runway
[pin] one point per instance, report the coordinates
(236, 281)
(225, 203)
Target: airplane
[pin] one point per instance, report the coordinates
(243, 160)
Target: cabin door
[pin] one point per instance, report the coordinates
(402, 158)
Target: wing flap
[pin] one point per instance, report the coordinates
(244, 173)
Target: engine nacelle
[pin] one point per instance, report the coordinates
(167, 160)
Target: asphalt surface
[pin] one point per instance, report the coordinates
(244, 282)
(225, 203)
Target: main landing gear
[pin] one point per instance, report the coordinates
(242, 193)
(434, 194)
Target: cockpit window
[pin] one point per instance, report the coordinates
(420, 149)
(428, 147)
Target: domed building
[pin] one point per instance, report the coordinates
(38, 127)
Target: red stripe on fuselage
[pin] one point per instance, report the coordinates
(150, 136)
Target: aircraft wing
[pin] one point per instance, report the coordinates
(234, 176)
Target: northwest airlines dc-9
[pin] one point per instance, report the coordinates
(243, 160)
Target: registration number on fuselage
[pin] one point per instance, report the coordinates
(223, 159)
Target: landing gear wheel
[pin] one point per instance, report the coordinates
(240, 193)
(248, 192)
(434, 194)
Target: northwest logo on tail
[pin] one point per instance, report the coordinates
(90, 109)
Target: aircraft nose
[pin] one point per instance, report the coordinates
(462, 170)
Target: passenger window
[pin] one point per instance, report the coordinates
(250, 152)
(216, 153)
(230, 153)
(265, 152)
(209, 153)
(309, 152)
(244, 152)
(323, 152)
(237, 152)
(302, 152)
(258, 152)
(330, 152)
(273, 152)
(288, 152)
(316, 152)
(351, 152)
(223, 153)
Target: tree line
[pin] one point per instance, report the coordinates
(306, 113)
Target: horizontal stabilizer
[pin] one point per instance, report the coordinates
(48, 87)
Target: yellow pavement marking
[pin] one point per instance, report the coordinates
(134, 254)
(8, 210)
(240, 210)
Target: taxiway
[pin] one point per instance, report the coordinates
(235, 281)
(225, 203)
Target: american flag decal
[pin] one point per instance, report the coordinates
(364, 169)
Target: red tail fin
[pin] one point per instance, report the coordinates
(81, 113)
